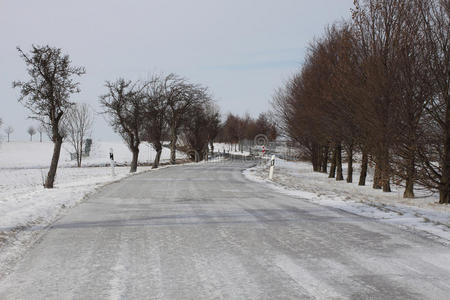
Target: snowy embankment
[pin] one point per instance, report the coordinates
(422, 214)
(25, 206)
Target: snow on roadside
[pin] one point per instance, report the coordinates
(22, 204)
(27, 209)
(24, 165)
(296, 179)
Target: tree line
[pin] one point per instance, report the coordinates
(376, 87)
(166, 107)
(31, 130)
(236, 129)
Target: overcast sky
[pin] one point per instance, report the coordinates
(241, 49)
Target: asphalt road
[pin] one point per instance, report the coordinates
(206, 232)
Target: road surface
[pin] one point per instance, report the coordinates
(206, 232)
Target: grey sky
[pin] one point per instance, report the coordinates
(241, 49)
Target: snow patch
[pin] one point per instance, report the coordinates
(296, 179)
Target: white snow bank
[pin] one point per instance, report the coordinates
(26, 210)
(422, 214)
(24, 201)
(26, 206)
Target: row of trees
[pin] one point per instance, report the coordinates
(31, 131)
(165, 107)
(378, 86)
(236, 129)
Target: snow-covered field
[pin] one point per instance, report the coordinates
(38, 155)
(422, 214)
(230, 149)
(24, 165)
(26, 205)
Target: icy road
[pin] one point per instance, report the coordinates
(205, 232)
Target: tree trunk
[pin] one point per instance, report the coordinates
(350, 164)
(444, 187)
(410, 176)
(78, 159)
(364, 164)
(197, 156)
(158, 156)
(315, 149)
(319, 156)
(54, 164)
(80, 153)
(385, 172)
(173, 145)
(211, 143)
(326, 150)
(332, 173)
(40, 137)
(157, 159)
(134, 161)
(339, 175)
(409, 189)
(377, 176)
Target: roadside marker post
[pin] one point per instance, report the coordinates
(111, 162)
(263, 152)
(272, 166)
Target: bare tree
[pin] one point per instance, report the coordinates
(9, 130)
(155, 124)
(47, 93)
(379, 25)
(124, 104)
(78, 123)
(180, 96)
(264, 125)
(195, 136)
(434, 149)
(31, 131)
(230, 129)
(379, 85)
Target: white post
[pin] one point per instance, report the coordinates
(111, 161)
(272, 166)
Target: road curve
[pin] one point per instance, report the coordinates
(205, 232)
